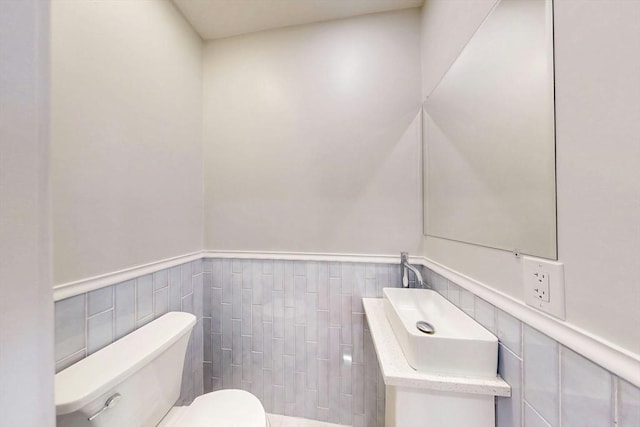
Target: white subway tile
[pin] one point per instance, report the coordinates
(357, 325)
(100, 300)
(246, 362)
(227, 375)
(198, 295)
(628, 405)
(278, 362)
(586, 392)
(335, 301)
(300, 350)
(278, 275)
(125, 308)
(485, 314)
(323, 383)
(187, 303)
(186, 276)
(175, 291)
(236, 344)
(207, 342)
(144, 296)
(216, 273)
(227, 285)
(311, 307)
(257, 328)
(161, 302)
(532, 418)
(300, 394)
(267, 266)
(236, 266)
(299, 268)
(267, 391)
(246, 311)
(508, 409)
(196, 266)
(300, 294)
(310, 403)
(453, 294)
(347, 278)
(346, 357)
(236, 296)
(70, 317)
(278, 314)
(216, 310)
(247, 274)
(99, 331)
(335, 269)
(257, 282)
(207, 265)
(312, 365)
(267, 344)
(70, 360)
(289, 379)
(510, 332)
(312, 276)
(541, 374)
(289, 331)
(160, 279)
(468, 302)
(227, 326)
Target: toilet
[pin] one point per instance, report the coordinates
(135, 382)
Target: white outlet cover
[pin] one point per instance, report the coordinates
(555, 305)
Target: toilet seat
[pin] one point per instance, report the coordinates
(224, 408)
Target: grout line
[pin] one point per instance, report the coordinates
(135, 303)
(509, 350)
(615, 390)
(143, 321)
(560, 399)
(69, 356)
(86, 321)
(101, 312)
(522, 383)
(537, 413)
(113, 305)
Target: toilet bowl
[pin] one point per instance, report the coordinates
(225, 408)
(135, 382)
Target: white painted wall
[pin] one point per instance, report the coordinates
(311, 141)
(26, 301)
(126, 136)
(598, 147)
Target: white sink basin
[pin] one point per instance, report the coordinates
(459, 346)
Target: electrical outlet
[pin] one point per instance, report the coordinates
(544, 285)
(541, 285)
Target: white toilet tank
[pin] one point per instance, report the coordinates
(144, 368)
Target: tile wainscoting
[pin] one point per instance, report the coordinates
(552, 386)
(294, 334)
(88, 322)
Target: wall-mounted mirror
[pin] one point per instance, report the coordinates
(489, 138)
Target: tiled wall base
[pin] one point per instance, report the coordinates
(294, 334)
(552, 386)
(88, 322)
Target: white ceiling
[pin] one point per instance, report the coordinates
(214, 19)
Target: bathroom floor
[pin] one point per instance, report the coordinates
(283, 421)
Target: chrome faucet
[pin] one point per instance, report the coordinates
(404, 264)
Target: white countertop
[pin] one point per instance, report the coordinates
(397, 372)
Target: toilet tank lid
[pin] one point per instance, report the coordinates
(94, 375)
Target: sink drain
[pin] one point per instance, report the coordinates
(425, 327)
